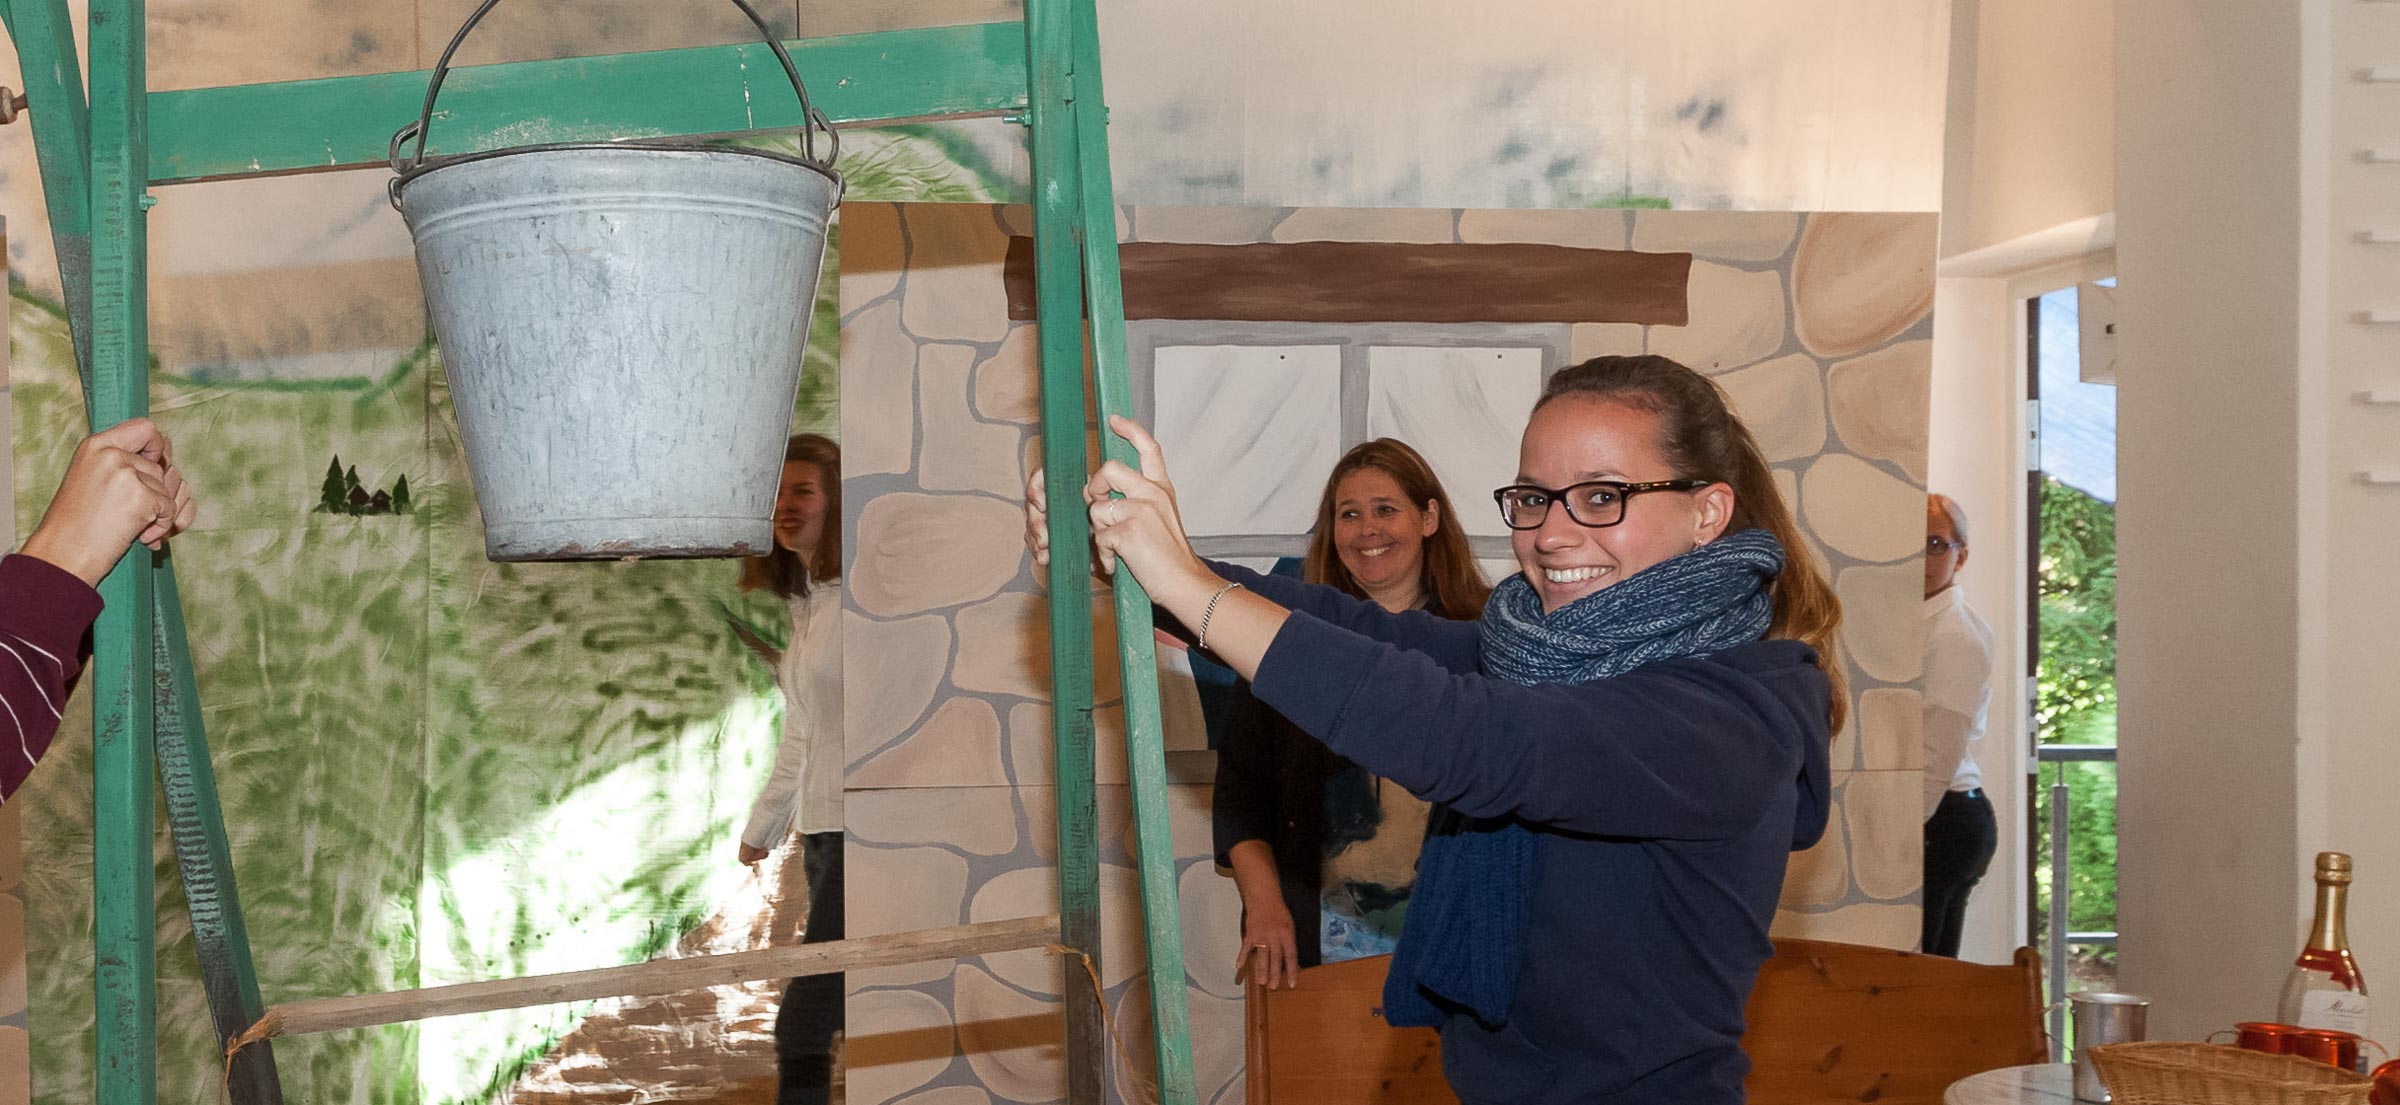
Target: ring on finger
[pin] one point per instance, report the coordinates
(1114, 513)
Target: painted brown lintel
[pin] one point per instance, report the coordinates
(1347, 282)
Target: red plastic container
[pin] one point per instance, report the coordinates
(2386, 1090)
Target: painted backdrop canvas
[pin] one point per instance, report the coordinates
(1817, 325)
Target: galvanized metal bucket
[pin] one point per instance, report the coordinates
(623, 327)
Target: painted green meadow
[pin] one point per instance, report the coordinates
(434, 768)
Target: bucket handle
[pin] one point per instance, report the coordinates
(812, 119)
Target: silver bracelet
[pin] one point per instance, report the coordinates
(1212, 612)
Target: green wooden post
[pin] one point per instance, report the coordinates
(1137, 649)
(122, 659)
(62, 143)
(62, 139)
(197, 824)
(1059, 301)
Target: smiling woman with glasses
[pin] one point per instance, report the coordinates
(1621, 756)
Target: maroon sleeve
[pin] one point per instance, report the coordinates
(44, 613)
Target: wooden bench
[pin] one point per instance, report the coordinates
(1828, 1023)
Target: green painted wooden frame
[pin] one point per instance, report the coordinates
(346, 122)
(62, 142)
(1137, 646)
(123, 665)
(98, 160)
(62, 137)
(1064, 469)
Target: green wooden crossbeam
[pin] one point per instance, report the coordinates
(344, 122)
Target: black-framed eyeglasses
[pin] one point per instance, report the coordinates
(1596, 503)
(1936, 545)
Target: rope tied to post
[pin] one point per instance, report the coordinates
(1145, 1083)
(268, 1025)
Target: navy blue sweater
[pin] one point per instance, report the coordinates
(1670, 798)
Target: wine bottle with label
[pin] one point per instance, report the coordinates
(2325, 988)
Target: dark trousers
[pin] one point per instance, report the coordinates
(812, 1004)
(1960, 838)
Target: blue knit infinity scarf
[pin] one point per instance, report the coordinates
(1464, 936)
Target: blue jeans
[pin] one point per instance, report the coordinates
(812, 1004)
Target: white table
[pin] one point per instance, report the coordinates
(2038, 1084)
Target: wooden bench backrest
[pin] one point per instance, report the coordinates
(1841, 1022)
(1326, 1043)
(1828, 1023)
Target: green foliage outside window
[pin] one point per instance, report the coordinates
(2075, 692)
(2077, 683)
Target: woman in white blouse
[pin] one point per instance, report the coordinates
(804, 793)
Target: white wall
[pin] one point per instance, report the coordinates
(2255, 644)
(2349, 601)
(1975, 456)
(2028, 185)
(2031, 122)
(2209, 195)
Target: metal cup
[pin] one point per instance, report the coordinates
(2266, 1036)
(2103, 1018)
(2324, 1045)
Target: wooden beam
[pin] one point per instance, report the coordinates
(125, 905)
(1137, 657)
(1348, 282)
(61, 119)
(203, 852)
(659, 976)
(1054, 263)
(346, 122)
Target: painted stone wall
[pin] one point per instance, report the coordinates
(1817, 325)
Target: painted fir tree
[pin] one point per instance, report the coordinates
(332, 497)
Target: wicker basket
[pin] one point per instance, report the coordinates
(2210, 1074)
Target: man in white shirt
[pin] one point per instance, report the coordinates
(1960, 831)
